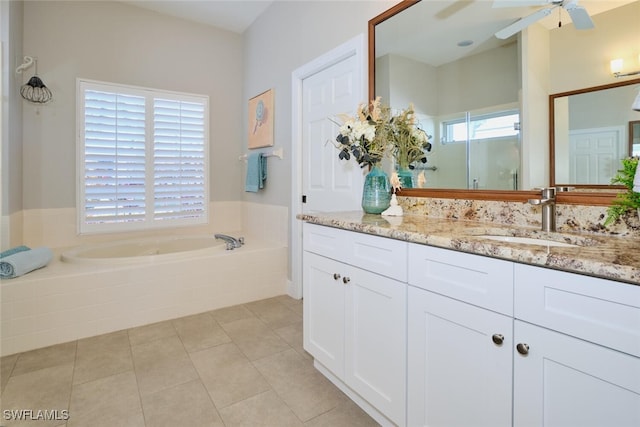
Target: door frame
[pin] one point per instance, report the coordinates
(353, 47)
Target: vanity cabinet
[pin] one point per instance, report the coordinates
(459, 352)
(577, 358)
(435, 337)
(355, 313)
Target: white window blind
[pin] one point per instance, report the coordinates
(143, 159)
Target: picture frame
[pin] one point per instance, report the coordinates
(260, 125)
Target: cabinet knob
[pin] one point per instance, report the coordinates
(346, 280)
(498, 339)
(336, 276)
(523, 348)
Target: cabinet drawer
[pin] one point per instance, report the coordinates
(478, 280)
(380, 255)
(597, 310)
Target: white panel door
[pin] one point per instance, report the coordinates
(459, 363)
(375, 347)
(594, 155)
(329, 184)
(567, 382)
(324, 311)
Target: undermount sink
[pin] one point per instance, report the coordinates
(528, 241)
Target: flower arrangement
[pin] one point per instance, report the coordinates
(375, 132)
(366, 135)
(409, 141)
(629, 199)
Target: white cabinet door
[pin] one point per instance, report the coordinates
(324, 310)
(458, 375)
(375, 344)
(564, 381)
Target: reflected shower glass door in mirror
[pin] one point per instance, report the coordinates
(634, 138)
(592, 132)
(464, 87)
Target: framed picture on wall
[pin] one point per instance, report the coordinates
(261, 120)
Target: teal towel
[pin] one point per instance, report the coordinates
(256, 172)
(21, 263)
(14, 251)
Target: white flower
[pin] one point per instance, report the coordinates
(364, 129)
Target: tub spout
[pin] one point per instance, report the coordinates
(231, 242)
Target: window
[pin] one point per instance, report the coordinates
(142, 158)
(485, 126)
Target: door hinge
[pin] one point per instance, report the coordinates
(304, 198)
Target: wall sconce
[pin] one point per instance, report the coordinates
(617, 65)
(636, 104)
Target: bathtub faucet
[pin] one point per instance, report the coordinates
(232, 242)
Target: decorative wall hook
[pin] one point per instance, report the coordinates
(34, 90)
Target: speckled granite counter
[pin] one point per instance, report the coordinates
(615, 258)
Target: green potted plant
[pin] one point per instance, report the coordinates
(629, 199)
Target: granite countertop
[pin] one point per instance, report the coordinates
(608, 257)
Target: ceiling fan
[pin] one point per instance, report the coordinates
(579, 15)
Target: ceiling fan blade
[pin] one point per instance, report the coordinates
(523, 23)
(579, 16)
(519, 3)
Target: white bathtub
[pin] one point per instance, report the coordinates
(155, 249)
(113, 286)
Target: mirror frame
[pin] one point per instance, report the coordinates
(552, 136)
(600, 198)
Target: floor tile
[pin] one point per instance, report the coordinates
(46, 357)
(102, 356)
(231, 314)
(305, 390)
(265, 409)
(106, 402)
(274, 313)
(255, 339)
(291, 303)
(293, 335)
(199, 332)
(154, 331)
(161, 364)
(6, 366)
(185, 404)
(44, 389)
(228, 375)
(346, 414)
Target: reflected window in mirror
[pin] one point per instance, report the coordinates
(634, 138)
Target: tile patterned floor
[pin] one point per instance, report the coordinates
(237, 366)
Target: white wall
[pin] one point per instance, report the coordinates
(114, 42)
(286, 36)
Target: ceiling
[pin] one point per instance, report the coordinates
(430, 30)
(232, 15)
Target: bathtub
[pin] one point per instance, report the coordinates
(156, 249)
(95, 289)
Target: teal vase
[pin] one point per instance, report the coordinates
(376, 193)
(405, 175)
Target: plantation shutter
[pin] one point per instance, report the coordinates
(114, 157)
(143, 158)
(179, 169)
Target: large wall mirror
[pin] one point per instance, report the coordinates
(591, 130)
(443, 57)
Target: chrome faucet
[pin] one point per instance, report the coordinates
(548, 203)
(231, 242)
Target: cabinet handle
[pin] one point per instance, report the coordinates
(523, 348)
(346, 280)
(498, 339)
(336, 276)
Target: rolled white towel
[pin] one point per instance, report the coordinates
(24, 262)
(636, 180)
